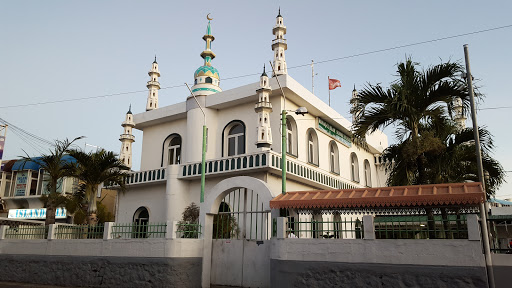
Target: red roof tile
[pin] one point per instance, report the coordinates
(398, 196)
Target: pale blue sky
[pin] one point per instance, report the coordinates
(54, 50)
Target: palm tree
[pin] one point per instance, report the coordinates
(94, 168)
(56, 167)
(415, 99)
(457, 163)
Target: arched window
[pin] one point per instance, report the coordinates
(367, 174)
(171, 150)
(209, 80)
(234, 138)
(334, 158)
(312, 145)
(141, 220)
(291, 136)
(354, 167)
(174, 151)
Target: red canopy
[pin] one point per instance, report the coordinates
(398, 196)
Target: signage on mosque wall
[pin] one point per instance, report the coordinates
(21, 183)
(40, 213)
(334, 133)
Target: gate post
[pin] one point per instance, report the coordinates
(369, 227)
(281, 227)
(207, 250)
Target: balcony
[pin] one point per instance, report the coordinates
(267, 161)
(127, 136)
(146, 177)
(278, 27)
(277, 42)
(153, 83)
(263, 105)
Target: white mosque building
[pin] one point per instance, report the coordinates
(243, 169)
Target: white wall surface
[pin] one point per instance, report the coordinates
(150, 196)
(112, 247)
(389, 251)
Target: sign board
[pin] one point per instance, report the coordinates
(334, 133)
(2, 143)
(21, 184)
(40, 213)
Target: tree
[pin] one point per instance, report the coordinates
(94, 168)
(55, 168)
(416, 99)
(188, 226)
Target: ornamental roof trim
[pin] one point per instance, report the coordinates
(383, 197)
(207, 71)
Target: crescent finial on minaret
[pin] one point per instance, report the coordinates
(208, 17)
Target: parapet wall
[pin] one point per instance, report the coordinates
(86, 271)
(376, 263)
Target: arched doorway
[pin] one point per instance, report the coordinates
(237, 223)
(141, 220)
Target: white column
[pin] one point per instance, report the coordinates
(3, 231)
(51, 231)
(369, 227)
(107, 232)
(281, 227)
(207, 250)
(473, 225)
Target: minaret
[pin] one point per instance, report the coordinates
(206, 77)
(263, 108)
(279, 46)
(127, 139)
(206, 82)
(153, 86)
(355, 114)
(458, 114)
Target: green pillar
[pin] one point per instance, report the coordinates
(283, 151)
(203, 168)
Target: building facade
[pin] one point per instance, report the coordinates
(243, 143)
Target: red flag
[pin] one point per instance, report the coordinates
(333, 84)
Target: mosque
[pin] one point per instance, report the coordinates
(243, 144)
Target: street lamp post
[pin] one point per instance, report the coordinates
(203, 157)
(483, 206)
(300, 110)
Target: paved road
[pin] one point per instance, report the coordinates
(25, 285)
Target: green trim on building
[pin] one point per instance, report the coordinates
(205, 89)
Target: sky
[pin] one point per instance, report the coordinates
(55, 51)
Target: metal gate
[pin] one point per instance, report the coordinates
(240, 250)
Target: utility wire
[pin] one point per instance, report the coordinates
(293, 67)
(35, 137)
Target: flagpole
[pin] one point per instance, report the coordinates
(328, 86)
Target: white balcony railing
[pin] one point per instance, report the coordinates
(267, 160)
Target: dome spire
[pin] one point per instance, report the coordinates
(263, 74)
(208, 54)
(155, 59)
(206, 77)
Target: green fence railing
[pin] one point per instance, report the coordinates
(27, 232)
(188, 230)
(79, 231)
(342, 229)
(139, 230)
(421, 227)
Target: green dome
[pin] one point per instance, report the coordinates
(207, 71)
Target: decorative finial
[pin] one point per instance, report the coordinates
(129, 110)
(155, 59)
(279, 14)
(208, 17)
(263, 74)
(354, 87)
